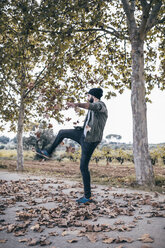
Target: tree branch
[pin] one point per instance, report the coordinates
(161, 21)
(146, 10)
(35, 84)
(152, 20)
(129, 11)
(144, 4)
(114, 32)
(92, 41)
(12, 29)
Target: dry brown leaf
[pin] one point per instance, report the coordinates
(10, 228)
(123, 239)
(109, 240)
(92, 237)
(97, 228)
(33, 242)
(45, 242)
(70, 232)
(53, 234)
(145, 238)
(23, 240)
(20, 233)
(72, 240)
(3, 240)
(119, 222)
(37, 228)
(89, 228)
(2, 228)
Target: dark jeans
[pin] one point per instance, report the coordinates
(87, 148)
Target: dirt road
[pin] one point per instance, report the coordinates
(38, 211)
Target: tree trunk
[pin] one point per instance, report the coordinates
(143, 166)
(20, 159)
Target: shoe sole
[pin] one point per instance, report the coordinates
(85, 202)
(40, 154)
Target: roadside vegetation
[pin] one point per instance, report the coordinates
(113, 167)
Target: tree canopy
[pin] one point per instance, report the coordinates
(98, 30)
(51, 49)
(53, 52)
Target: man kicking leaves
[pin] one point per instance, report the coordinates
(89, 136)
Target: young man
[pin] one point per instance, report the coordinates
(89, 136)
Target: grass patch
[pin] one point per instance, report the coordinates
(12, 154)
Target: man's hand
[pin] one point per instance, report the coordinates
(71, 105)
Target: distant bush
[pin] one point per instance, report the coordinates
(4, 139)
(2, 147)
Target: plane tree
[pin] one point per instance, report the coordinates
(125, 39)
(32, 71)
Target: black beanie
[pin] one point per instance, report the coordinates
(97, 92)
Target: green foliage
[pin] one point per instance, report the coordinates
(32, 66)
(158, 155)
(98, 30)
(47, 52)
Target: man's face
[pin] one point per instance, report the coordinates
(90, 98)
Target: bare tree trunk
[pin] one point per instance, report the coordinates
(143, 166)
(20, 159)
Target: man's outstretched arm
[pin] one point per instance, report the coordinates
(79, 105)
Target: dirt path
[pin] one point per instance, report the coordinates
(38, 211)
(112, 174)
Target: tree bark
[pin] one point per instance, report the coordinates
(143, 166)
(20, 159)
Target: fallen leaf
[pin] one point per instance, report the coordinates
(33, 242)
(3, 240)
(10, 228)
(45, 242)
(53, 234)
(36, 228)
(145, 238)
(72, 240)
(123, 239)
(119, 222)
(23, 240)
(92, 237)
(20, 233)
(109, 240)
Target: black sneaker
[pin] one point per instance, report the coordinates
(84, 200)
(43, 153)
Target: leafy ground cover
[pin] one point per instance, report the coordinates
(42, 211)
